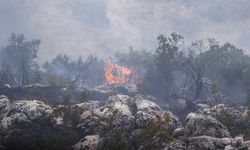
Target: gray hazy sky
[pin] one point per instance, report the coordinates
(103, 27)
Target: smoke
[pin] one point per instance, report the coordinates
(103, 27)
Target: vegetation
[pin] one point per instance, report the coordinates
(70, 114)
(156, 129)
(17, 61)
(169, 72)
(162, 73)
(84, 96)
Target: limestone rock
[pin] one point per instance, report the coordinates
(89, 142)
(199, 124)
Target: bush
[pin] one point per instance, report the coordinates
(229, 121)
(84, 97)
(156, 129)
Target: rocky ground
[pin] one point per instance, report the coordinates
(121, 122)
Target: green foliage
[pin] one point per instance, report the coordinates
(75, 72)
(233, 125)
(35, 92)
(173, 70)
(18, 60)
(168, 45)
(215, 88)
(70, 113)
(160, 77)
(156, 128)
(116, 142)
(114, 138)
(114, 91)
(57, 81)
(108, 119)
(46, 137)
(229, 121)
(54, 140)
(84, 96)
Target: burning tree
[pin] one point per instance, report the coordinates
(118, 74)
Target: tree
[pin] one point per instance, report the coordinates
(195, 68)
(93, 71)
(6, 75)
(19, 55)
(228, 66)
(62, 68)
(160, 76)
(75, 72)
(138, 60)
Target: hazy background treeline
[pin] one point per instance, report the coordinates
(173, 70)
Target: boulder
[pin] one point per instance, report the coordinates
(178, 132)
(85, 115)
(199, 124)
(25, 111)
(4, 105)
(90, 105)
(89, 142)
(6, 86)
(221, 109)
(146, 105)
(207, 142)
(102, 92)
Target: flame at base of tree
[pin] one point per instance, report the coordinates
(118, 74)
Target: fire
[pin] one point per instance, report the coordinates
(115, 73)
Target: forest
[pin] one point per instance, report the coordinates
(175, 96)
(170, 71)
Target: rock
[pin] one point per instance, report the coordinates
(6, 86)
(207, 142)
(102, 92)
(142, 119)
(128, 116)
(199, 124)
(25, 111)
(89, 142)
(6, 122)
(146, 105)
(4, 105)
(177, 144)
(124, 120)
(123, 112)
(178, 132)
(206, 82)
(247, 143)
(31, 108)
(124, 123)
(221, 109)
(34, 85)
(202, 107)
(199, 143)
(90, 105)
(57, 121)
(246, 115)
(85, 114)
(120, 103)
(229, 147)
(238, 141)
(130, 106)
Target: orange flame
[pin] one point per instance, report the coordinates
(115, 73)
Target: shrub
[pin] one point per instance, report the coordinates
(156, 129)
(84, 97)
